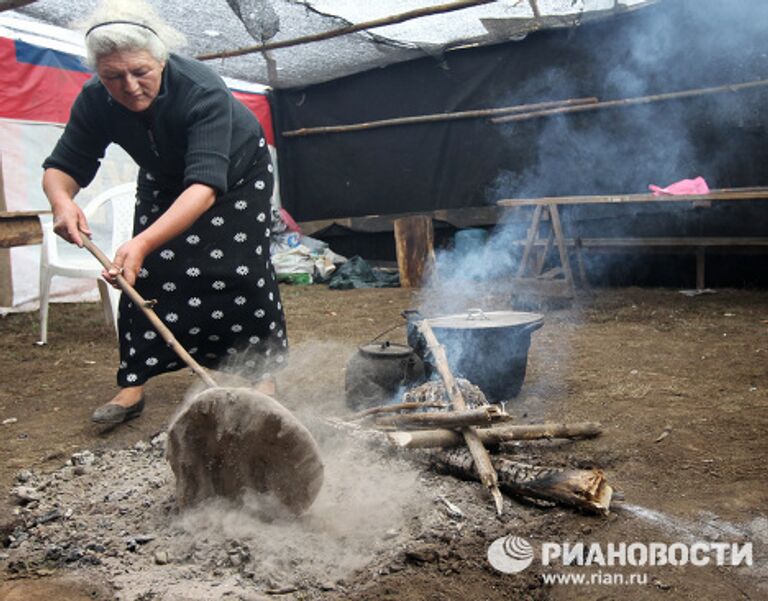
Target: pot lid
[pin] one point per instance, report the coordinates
(386, 349)
(476, 319)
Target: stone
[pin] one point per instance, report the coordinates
(251, 596)
(25, 494)
(82, 458)
(159, 441)
(24, 476)
(162, 558)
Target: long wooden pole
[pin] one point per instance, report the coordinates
(437, 117)
(482, 460)
(326, 35)
(724, 194)
(633, 101)
(146, 308)
(486, 415)
(443, 438)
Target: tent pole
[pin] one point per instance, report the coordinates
(326, 35)
(473, 114)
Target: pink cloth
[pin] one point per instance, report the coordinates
(683, 187)
(289, 222)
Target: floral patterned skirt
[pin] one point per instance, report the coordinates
(214, 285)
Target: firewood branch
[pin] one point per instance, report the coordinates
(445, 438)
(445, 419)
(482, 460)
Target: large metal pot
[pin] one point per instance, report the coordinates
(490, 349)
(378, 371)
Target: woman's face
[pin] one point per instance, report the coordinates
(132, 78)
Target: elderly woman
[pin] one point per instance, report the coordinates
(200, 243)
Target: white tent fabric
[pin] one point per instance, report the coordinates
(213, 26)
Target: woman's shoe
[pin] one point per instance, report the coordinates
(112, 413)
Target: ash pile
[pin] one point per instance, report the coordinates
(113, 516)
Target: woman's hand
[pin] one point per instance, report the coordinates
(127, 262)
(68, 219)
(69, 222)
(185, 210)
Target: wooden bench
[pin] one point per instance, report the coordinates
(532, 273)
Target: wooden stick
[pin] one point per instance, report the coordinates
(482, 461)
(424, 439)
(633, 101)
(394, 408)
(448, 419)
(326, 35)
(436, 117)
(146, 307)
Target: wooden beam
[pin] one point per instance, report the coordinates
(460, 218)
(20, 230)
(326, 35)
(681, 242)
(633, 101)
(723, 194)
(432, 118)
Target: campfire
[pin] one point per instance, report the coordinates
(450, 413)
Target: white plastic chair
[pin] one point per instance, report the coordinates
(80, 264)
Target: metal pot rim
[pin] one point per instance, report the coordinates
(475, 319)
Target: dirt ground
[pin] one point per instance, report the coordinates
(680, 385)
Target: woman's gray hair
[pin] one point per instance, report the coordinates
(128, 25)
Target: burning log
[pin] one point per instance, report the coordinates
(584, 489)
(445, 419)
(493, 436)
(482, 462)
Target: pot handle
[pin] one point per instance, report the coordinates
(476, 313)
(531, 327)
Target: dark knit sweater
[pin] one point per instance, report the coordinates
(189, 135)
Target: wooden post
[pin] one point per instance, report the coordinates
(565, 261)
(700, 268)
(529, 240)
(414, 242)
(6, 274)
